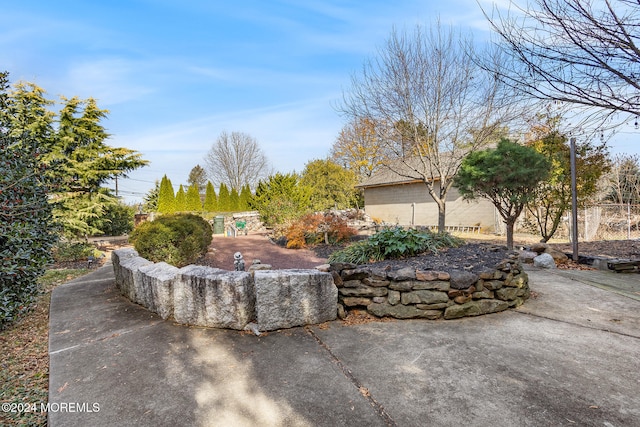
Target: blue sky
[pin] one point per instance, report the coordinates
(175, 74)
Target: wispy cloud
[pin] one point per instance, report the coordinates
(111, 81)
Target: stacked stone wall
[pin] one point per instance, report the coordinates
(409, 293)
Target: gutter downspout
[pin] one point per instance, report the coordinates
(413, 214)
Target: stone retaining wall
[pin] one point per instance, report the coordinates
(410, 293)
(275, 299)
(205, 296)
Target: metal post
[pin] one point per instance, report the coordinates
(574, 202)
(629, 220)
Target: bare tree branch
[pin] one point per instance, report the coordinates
(236, 159)
(582, 52)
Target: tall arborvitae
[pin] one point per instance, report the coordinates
(166, 198)
(234, 200)
(210, 199)
(193, 199)
(224, 202)
(245, 197)
(181, 200)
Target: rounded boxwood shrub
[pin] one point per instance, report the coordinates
(177, 239)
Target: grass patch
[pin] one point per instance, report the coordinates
(24, 345)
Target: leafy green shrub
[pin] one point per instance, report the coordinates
(116, 220)
(395, 242)
(72, 251)
(177, 239)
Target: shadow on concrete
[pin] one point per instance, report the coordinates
(567, 357)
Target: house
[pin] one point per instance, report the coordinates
(403, 199)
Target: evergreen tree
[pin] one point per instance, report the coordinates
(82, 162)
(224, 198)
(181, 200)
(193, 202)
(78, 160)
(234, 200)
(28, 111)
(151, 198)
(245, 198)
(507, 175)
(210, 199)
(26, 232)
(166, 199)
(281, 199)
(198, 176)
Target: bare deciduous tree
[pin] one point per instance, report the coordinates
(582, 52)
(236, 159)
(431, 104)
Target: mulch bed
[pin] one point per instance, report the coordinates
(622, 249)
(471, 257)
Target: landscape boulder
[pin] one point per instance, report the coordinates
(544, 260)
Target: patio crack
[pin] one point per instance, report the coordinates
(575, 324)
(379, 409)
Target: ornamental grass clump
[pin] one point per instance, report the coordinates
(393, 243)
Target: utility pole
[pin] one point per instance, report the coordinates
(574, 201)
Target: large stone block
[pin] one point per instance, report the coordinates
(288, 298)
(208, 296)
(130, 278)
(158, 282)
(117, 257)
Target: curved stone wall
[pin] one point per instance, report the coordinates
(205, 296)
(275, 299)
(409, 293)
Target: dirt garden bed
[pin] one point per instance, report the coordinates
(475, 254)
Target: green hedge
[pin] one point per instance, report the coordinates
(177, 239)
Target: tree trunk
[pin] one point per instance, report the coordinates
(441, 216)
(440, 201)
(510, 222)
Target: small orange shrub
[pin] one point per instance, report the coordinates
(316, 228)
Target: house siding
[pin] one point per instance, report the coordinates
(393, 204)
